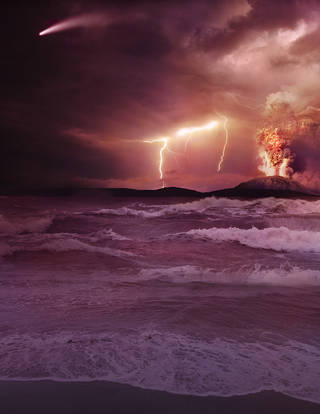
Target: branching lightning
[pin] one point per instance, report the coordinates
(164, 146)
(225, 143)
(188, 132)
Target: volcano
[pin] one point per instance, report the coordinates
(275, 183)
(272, 186)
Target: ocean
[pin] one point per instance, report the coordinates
(214, 296)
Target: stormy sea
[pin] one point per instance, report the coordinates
(204, 297)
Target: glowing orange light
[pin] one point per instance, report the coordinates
(274, 152)
(266, 167)
(283, 168)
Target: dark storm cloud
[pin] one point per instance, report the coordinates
(85, 80)
(54, 158)
(76, 105)
(262, 16)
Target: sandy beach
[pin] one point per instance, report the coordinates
(103, 397)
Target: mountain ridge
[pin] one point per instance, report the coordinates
(260, 187)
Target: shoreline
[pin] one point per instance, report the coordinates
(95, 397)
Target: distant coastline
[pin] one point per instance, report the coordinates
(260, 187)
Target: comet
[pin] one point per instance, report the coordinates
(225, 143)
(164, 140)
(85, 20)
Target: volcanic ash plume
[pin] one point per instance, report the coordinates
(275, 153)
(288, 142)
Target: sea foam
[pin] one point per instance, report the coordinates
(63, 242)
(166, 361)
(217, 206)
(273, 238)
(286, 275)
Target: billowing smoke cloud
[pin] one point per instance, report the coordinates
(288, 142)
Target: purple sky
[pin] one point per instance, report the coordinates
(76, 105)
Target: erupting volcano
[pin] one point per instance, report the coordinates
(288, 139)
(274, 152)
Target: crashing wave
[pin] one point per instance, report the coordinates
(63, 242)
(273, 238)
(215, 206)
(255, 275)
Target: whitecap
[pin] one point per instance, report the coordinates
(273, 238)
(286, 275)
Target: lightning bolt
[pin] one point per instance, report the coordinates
(164, 146)
(189, 132)
(225, 143)
(185, 131)
(192, 130)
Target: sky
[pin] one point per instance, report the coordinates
(77, 104)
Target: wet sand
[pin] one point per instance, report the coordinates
(104, 397)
